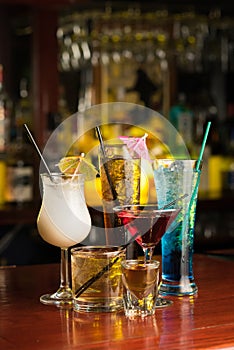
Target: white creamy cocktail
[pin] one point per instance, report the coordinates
(63, 221)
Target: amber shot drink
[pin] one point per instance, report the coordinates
(120, 172)
(105, 294)
(140, 287)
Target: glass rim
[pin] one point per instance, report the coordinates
(109, 148)
(133, 207)
(141, 262)
(61, 177)
(174, 160)
(118, 143)
(177, 159)
(60, 174)
(102, 249)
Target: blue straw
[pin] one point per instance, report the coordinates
(203, 146)
(198, 164)
(184, 270)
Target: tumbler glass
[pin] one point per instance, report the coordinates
(120, 172)
(101, 265)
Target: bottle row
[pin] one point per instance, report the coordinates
(16, 159)
(198, 41)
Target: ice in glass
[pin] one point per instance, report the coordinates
(105, 294)
(124, 170)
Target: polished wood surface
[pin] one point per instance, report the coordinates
(205, 321)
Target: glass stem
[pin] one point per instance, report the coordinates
(64, 273)
(148, 253)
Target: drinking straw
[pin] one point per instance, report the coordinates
(185, 283)
(102, 147)
(38, 150)
(203, 146)
(198, 164)
(174, 201)
(98, 275)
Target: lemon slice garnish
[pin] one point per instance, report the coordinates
(77, 165)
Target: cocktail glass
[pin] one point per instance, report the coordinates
(173, 178)
(63, 221)
(151, 223)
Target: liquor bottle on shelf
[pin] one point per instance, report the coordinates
(182, 118)
(5, 114)
(5, 120)
(2, 178)
(23, 109)
(217, 159)
(228, 141)
(19, 155)
(19, 170)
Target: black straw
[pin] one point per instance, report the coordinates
(102, 147)
(93, 279)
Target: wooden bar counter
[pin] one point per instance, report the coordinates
(205, 321)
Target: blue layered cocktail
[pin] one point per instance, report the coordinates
(174, 178)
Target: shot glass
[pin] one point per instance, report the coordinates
(174, 178)
(120, 173)
(140, 287)
(96, 270)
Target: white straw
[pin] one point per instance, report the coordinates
(38, 150)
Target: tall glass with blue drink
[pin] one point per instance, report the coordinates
(173, 179)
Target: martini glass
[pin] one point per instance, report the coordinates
(151, 223)
(63, 221)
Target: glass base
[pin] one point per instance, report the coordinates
(135, 313)
(63, 297)
(98, 305)
(161, 302)
(178, 288)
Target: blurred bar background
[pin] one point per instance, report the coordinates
(58, 57)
